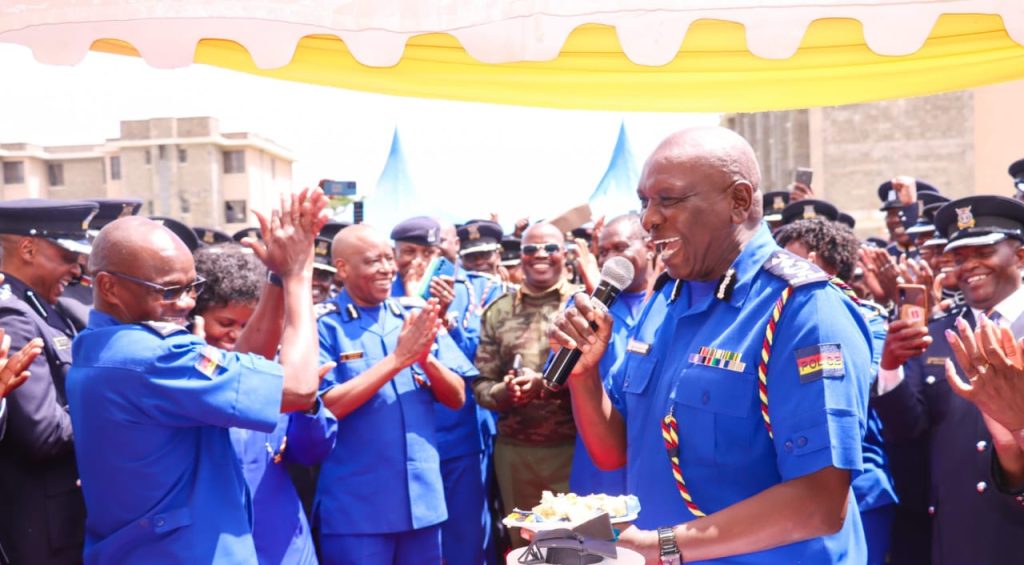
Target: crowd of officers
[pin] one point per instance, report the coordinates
(312, 391)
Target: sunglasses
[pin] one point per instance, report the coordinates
(549, 248)
(167, 293)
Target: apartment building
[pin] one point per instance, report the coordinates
(185, 168)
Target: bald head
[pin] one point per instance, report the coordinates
(351, 241)
(713, 148)
(544, 230)
(134, 258)
(134, 245)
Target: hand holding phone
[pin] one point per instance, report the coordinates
(803, 175)
(913, 304)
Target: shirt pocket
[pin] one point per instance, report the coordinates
(717, 413)
(637, 373)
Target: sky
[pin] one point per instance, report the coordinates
(470, 159)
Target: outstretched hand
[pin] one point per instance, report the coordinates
(994, 365)
(290, 232)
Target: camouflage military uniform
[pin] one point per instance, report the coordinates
(535, 441)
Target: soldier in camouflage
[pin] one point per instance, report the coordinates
(536, 432)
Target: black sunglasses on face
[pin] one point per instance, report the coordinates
(167, 293)
(549, 248)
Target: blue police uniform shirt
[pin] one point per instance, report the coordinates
(280, 529)
(725, 452)
(383, 475)
(585, 477)
(873, 486)
(464, 432)
(151, 406)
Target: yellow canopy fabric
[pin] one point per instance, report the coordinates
(619, 63)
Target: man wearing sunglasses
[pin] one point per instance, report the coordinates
(535, 428)
(44, 520)
(152, 404)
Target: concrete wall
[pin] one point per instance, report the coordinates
(999, 136)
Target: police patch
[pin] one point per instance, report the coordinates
(817, 361)
(209, 360)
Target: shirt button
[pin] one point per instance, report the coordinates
(982, 486)
(981, 446)
(705, 398)
(801, 441)
(159, 522)
(788, 446)
(931, 510)
(929, 379)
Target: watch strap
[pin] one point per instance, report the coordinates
(668, 550)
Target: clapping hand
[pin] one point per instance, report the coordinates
(994, 365)
(290, 232)
(418, 334)
(14, 369)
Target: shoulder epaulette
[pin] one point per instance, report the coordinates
(164, 329)
(324, 308)
(794, 269)
(875, 308)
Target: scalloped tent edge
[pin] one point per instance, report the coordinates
(745, 59)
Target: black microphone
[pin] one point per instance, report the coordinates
(616, 275)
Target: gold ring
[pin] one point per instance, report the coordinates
(983, 369)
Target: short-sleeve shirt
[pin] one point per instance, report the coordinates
(151, 406)
(700, 360)
(384, 474)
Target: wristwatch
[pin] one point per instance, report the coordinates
(668, 553)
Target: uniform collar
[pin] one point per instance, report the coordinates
(99, 319)
(744, 268)
(28, 296)
(349, 311)
(1010, 309)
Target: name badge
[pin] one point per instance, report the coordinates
(638, 347)
(350, 356)
(935, 361)
(61, 342)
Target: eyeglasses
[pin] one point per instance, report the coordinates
(167, 293)
(549, 248)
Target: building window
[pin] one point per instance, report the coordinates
(182, 155)
(234, 211)
(55, 171)
(14, 172)
(115, 167)
(186, 206)
(234, 162)
(149, 158)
